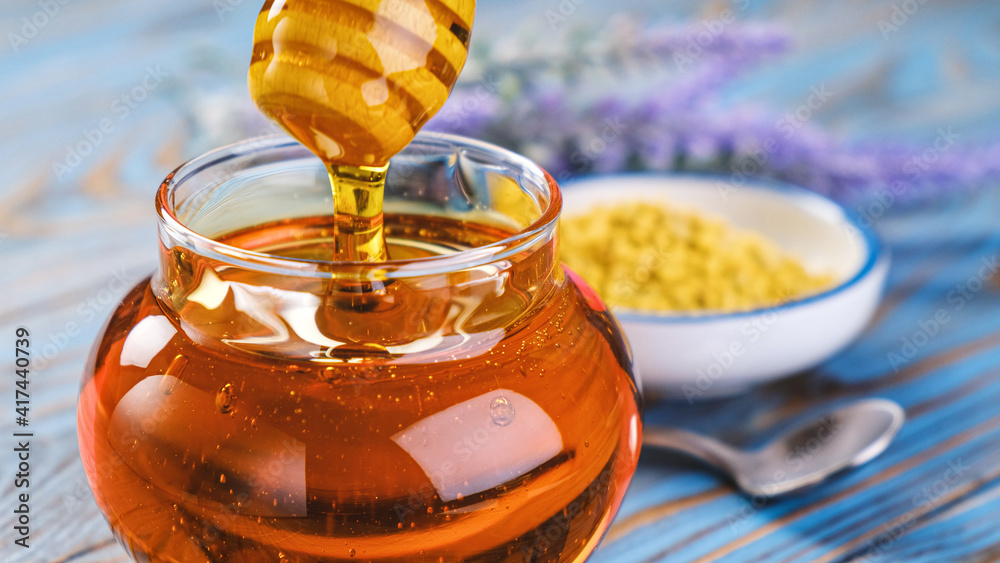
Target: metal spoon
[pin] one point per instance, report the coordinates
(846, 436)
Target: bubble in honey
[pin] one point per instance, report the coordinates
(167, 385)
(351, 552)
(501, 411)
(328, 375)
(225, 399)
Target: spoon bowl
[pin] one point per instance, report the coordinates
(801, 456)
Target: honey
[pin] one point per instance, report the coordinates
(413, 377)
(354, 81)
(203, 444)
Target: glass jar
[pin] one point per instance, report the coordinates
(468, 400)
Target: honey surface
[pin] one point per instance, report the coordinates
(221, 448)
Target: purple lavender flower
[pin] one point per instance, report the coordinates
(680, 125)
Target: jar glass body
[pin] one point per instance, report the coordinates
(469, 400)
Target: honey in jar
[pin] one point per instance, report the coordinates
(470, 401)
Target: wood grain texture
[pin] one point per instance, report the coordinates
(76, 230)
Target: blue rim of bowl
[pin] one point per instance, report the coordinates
(874, 246)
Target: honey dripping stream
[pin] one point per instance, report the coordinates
(359, 231)
(354, 82)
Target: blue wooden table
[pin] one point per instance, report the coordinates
(100, 99)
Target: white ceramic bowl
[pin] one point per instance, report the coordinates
(714, 355)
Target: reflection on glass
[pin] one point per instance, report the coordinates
(260, 469)
(481, 443)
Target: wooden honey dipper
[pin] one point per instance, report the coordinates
(354, 80)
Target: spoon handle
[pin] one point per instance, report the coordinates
(701, 447)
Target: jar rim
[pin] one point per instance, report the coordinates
(518, 242)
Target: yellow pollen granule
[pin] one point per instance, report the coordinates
(651, 257)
